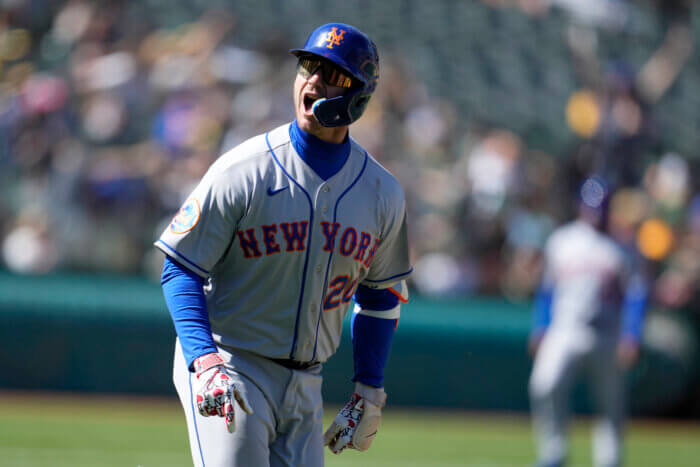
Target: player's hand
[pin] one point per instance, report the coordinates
(357, 423)
(216, 391)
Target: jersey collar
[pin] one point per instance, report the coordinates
(326, 159)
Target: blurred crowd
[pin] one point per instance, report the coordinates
(107, 122)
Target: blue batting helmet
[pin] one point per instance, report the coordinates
(354, 52)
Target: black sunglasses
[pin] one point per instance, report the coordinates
(331, 74)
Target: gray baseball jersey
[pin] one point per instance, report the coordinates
(587, 270)
(285, 250)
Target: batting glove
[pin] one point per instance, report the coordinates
(216, 390)
(357, 423)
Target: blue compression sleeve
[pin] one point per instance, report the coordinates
(184, 296)
(634, 308)
(371, 336)
(542, 315)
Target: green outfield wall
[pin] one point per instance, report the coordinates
(114, 334)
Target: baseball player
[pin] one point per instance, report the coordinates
(263, 261)
(588, 316)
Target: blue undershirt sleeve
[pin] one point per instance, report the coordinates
(634, 308)
(542, 315)
(372, 336)
(184, 296)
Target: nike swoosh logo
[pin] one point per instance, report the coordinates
(272, 192)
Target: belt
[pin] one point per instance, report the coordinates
(293, 364)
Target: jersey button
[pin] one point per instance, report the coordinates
(318, 268)
(326, 189)
(324, 208)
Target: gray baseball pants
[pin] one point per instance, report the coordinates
(285, 428)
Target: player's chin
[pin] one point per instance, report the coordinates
(307, 121)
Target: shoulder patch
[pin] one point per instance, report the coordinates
(186, 218)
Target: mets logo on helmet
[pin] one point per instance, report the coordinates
(334, 37)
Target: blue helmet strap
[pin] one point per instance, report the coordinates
(341, 110)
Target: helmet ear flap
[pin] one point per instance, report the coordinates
(362, 101)
(358, 105)
(342, 110)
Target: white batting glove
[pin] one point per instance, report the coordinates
(216, 391)
(357, 423)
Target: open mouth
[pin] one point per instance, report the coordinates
(309, 102)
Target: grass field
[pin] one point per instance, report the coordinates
(59, 430)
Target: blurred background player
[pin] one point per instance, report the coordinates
(588, 318)
(263, 261)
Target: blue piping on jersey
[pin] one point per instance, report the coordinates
(179, 256)
(330, 256)
(392, 277)
(306, 259)
(194, 418)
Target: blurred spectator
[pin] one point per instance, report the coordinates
(29, 247)
(677, 286)
(490, 172)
